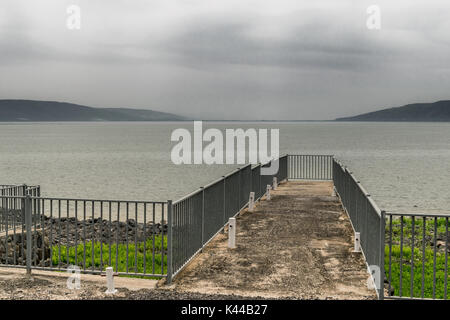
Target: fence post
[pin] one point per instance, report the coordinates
(3, 206)
(251, 202)
(28, 223)
(38, 203)
(260, 193)
(110, 281)
(357, 247)
(203, 217)
(232, 233)
(224, 201)
(239, 191)
(288, 166)
(382, 244)
(250, 184)
(169, 241)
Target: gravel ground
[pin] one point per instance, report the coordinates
(54, 288)
(162, 294)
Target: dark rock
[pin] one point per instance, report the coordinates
(131, 222)
(392, 292)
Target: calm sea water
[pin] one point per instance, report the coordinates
(405, 166)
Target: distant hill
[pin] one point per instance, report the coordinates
(30, 110)
(437, 111)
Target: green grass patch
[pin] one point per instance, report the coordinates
(99, 255)
(425, 233)
(418, 228)
(417, 272)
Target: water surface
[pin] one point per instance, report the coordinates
(405, 166)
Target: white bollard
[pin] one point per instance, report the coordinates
(333, 194)
(110, 281)
(275, 183)
(251, 202)
(268, 192)
(357, 242)
(232, 233)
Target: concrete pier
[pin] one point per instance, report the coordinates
(297, 245)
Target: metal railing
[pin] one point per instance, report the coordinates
(410, 250)
(131, 236)
(417, 255)
(141, 238)
(158, 239)
(11, 205)
(19, 190)
(310, 167)
(366, 218)
(201, 215)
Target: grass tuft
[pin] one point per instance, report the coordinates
(417, 272)
(102, 255)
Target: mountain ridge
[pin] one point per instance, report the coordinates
(12, 110)
(438, 111)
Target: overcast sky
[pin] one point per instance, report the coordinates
(227, 59)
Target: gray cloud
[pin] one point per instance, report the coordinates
(232, 59)
(199, 46)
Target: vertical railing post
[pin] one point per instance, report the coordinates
(203, 217)
(38, 204)
(251, 179)
(239, 191)
(24, 193)
(224, 201)
(169, 241)
(2, 221)
(260, 193)
(381, 252)
(287, 167)
(28, 222)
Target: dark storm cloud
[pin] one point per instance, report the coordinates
(225, 44)
(229, 59)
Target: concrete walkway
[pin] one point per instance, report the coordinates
(298, 245)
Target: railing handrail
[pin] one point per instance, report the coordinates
(418, 214)
(351, 199)
(234, 171)
(81, 199)
(363, 190)
(206, 210)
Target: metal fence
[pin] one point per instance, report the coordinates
(310, 167)
(410, 250)
(417, 255)
(158, 239)
(131, 236)
(11, 204)
(140, 238)
(201, 215)
(366, 218)
(19, 190)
